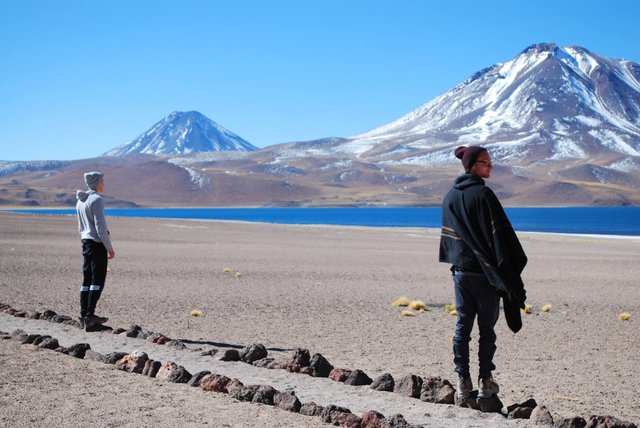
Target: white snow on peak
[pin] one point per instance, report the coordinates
(579, 59)
(183, 133)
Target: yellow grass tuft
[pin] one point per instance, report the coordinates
(546, 308)
(417, 305)
(196, 313)
(238, 274)
(449, 308)
(407, 314)
(226, 270)
(624, 316)
(401, 301)
(453, 312)
(527, 309)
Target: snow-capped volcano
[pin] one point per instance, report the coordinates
(183, 133)
(548, 103)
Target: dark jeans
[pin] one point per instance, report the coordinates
(475, 296)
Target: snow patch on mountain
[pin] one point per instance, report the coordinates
(614, 141)
(565, 148)
(10, 167)
(342, 164)
(199, 179)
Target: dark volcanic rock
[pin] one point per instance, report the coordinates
(311, 409)
(114, 357)
(491, 405)
(384, 383)
(246, 393)
(319, 366)
(521, 410)
(574, 422)
(78, 350)
(287, 401)
(252, 353)
(49, 343)
(234, 387)
(409, 386)
(47, 314)
(151, 368)
(196, 378)
(372, 419)
(60, 319)
(265, 394)
(437, 390)
(608, 422)
(228, 355)
(341, 416)
(358, 378)
(300, 361)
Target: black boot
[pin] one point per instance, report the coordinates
(84, 305)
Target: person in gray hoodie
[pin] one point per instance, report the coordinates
(96, 248)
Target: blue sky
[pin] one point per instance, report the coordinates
(78, 78)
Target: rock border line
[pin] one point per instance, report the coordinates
(432, 389)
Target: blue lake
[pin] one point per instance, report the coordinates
(577, 220)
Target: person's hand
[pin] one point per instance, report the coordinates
(111, 254)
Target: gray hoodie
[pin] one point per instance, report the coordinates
(91, 221)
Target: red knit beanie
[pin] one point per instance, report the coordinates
(469, 155)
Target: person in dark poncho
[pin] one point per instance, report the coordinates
(487, 260)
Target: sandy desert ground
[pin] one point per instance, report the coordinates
(327, 289)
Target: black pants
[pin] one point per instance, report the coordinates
(94, 270)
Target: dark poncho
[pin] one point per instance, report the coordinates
(476, 233)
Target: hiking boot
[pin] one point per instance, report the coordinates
(83, 322)
(99, 320)
(93, 321)
(465, 386)
(487, 387)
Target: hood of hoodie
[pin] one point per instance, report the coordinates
(84, 195)
(467, 180)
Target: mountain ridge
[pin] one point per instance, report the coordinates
(562, 125)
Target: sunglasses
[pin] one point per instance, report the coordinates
(487, 163)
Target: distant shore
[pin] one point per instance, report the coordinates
(578, 221)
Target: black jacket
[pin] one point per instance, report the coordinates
(477, 235)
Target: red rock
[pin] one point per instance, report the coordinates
(133, 363)
(339, 375)
(372, 419)
(287, 401)
(215, 382)
(409, 386)
(172, 372)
